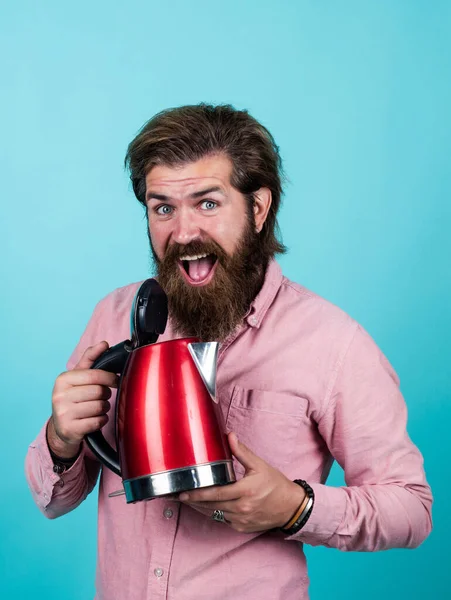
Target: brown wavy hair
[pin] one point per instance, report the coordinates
(188, 133)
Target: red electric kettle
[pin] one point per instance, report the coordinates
(169, 429)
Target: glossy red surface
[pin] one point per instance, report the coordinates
(166, 417)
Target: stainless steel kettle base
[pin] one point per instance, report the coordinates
(178, 480)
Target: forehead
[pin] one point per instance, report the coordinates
(211, 170)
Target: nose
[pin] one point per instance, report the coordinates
(185, 228)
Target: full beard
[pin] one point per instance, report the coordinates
(213, 311)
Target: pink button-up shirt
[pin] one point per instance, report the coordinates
(301, 384)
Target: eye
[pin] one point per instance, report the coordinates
(163, 209)
(208, 205)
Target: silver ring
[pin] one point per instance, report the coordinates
(218, 515)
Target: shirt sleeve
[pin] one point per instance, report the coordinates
(386, 502)
(57, 494)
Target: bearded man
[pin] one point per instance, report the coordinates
(299, 383)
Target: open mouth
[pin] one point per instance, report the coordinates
(198, 269)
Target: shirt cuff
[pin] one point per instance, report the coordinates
(51, 478)
(327, 514)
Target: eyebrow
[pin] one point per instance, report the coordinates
(199, 194)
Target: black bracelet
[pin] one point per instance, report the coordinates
(64, 461)
(304, 516)
(61, 464)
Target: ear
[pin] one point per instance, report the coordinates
(262, 202)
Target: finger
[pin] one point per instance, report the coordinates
(209, 513)
(92, 409)
(88, 377)
(249, 460)
(85, 393)
(200, 509)
(89, 425)
(91, 354)
(231, 507)
(217, 493)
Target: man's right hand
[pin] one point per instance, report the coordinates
(79, 403)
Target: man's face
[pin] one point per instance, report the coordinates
(195, 202)
(205, 245)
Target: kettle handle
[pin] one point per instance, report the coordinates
(112, 360)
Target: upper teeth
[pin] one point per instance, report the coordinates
(195, 257)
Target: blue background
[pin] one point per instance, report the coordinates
(357, 95)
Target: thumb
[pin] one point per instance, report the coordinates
(90, 355)
(249, 460)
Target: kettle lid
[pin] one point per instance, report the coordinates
(149, 313)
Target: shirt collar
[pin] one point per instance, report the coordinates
(265, 297)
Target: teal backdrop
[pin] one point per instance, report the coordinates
(357, 95)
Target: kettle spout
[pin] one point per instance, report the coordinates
(205, 355)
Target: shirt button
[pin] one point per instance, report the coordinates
(61, 483)
(168, 513)
(158, 572)
(253, 321)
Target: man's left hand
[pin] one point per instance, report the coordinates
(262, 500)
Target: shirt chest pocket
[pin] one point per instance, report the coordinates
(267, 422)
